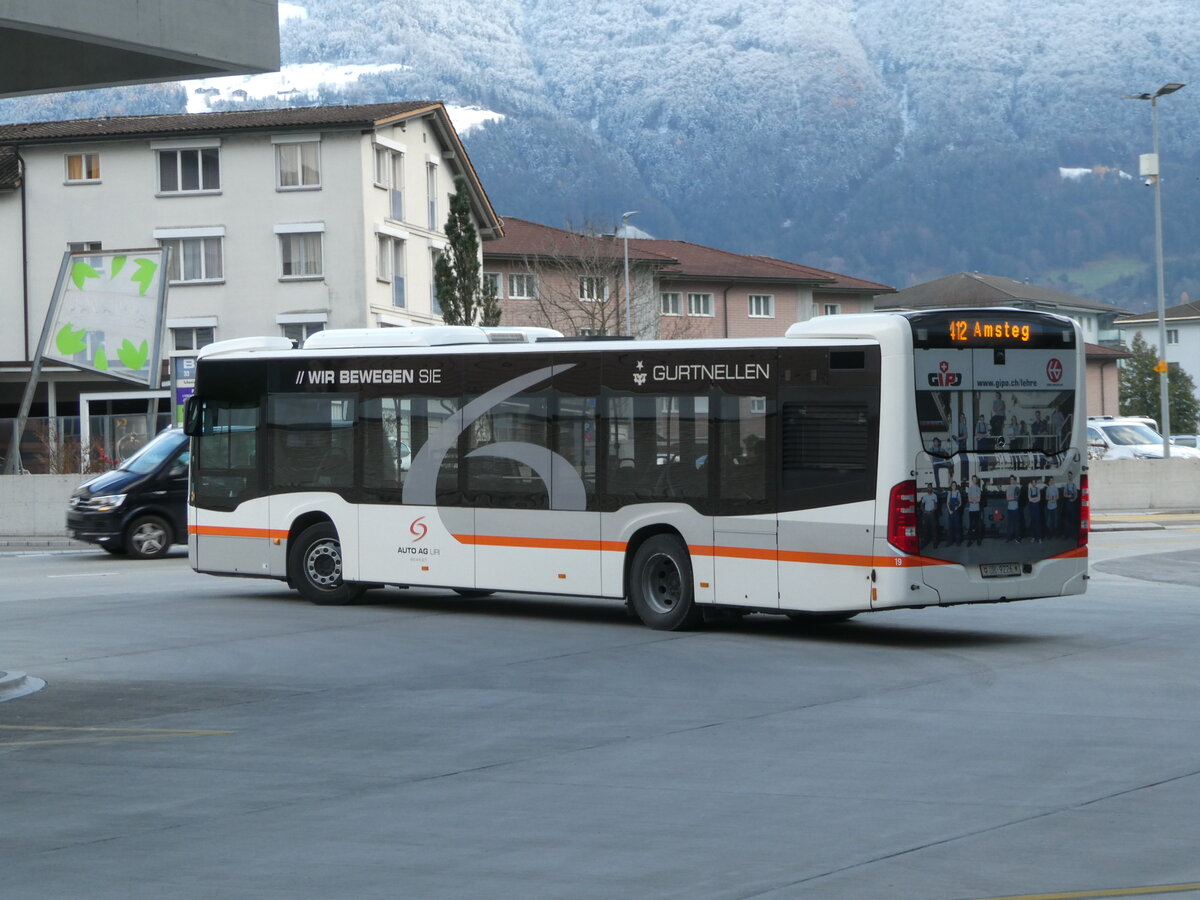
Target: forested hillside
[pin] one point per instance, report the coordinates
(896, 140)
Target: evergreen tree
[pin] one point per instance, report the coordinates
(1140, 394)
(464, 299)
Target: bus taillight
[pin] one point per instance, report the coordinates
(902, 518)
(1085, 511)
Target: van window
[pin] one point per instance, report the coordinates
(155, 453)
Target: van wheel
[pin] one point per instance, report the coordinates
(660, 585)
(147, 537)
(315, 567)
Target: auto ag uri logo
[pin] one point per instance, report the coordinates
(1054, 370)
(418, 529)
(943, 377)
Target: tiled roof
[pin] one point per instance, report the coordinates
(841, 282)
(973, 289)
(677, 259)
(698, 261)
(1182, 311)
(209, 122)
(10, 171)
(529, 239)
(1099, 351)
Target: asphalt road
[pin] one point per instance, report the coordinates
(210, 738)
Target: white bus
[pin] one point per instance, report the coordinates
(860, 463)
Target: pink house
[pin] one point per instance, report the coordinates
(576, 282)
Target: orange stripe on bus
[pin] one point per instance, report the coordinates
(532, 543)
(230, 531)
(826, 559)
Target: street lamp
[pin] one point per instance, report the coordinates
(1150, 169)
(625, 234)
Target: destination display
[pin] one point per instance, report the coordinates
(999, 329)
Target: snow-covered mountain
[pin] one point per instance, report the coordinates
(893, 139)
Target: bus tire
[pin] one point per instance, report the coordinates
(660, 585)
(147, 537)
(315, 567)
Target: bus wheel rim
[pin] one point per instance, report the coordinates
(323, 564)
(662, 584)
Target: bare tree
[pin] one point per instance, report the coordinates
(577, 283)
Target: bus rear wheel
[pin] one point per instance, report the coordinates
(660, 585)
(315, 567)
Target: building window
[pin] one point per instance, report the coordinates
(1172, 335)
(83, 167)
(192, 338)
(669, 304)
(189, 171)
(431, 190)
(491, 284)
(700, 304)
(762, 306)
(592, 288)
(300, 255)
(300, 331)
(194, 259)
(391, 268)
(298, 165)
(389, 175)
(522, 287)
(833, 309)
(435, 303)
(590, 332)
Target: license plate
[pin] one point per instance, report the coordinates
(999, 570)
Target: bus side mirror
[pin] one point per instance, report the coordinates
(191, 416)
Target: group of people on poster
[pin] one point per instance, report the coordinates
(1014, 426)
(1037, 509)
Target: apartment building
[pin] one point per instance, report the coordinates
(1183, 335)
(279, 221)
(677, 289)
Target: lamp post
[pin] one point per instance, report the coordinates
(625, 234)
(1150, 169)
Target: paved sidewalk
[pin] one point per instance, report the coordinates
(41, 542)
(1144, 519)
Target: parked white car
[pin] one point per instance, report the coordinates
(1113, 438)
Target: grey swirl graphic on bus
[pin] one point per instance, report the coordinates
(563, 482)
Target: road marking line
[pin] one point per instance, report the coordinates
(1109, 892)
(85, 575)
(92, 735)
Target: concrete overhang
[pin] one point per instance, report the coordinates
(62, 45)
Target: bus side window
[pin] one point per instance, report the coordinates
(312, 441)
(745, 461)
(226, 462)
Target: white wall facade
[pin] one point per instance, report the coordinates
(125, 209)
(1186, 353)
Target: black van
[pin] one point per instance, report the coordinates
(141, 507)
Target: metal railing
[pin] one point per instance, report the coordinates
(52, 446)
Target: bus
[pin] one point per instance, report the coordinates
(858, 463)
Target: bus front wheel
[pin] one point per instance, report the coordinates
(660, 585)
(315, 567)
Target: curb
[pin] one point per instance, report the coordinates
(18, 684)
